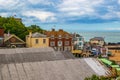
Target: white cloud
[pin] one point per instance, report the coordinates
(43, 16)
(110, 15)
(4, 14)
(44, 2)
(79, 7)
(8, 4)
(119, 1)
(118, 14)
(113, 29)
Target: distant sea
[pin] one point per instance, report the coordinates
(109, 36)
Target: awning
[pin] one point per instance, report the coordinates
(118, 69)
(115, 66)
(106, 61)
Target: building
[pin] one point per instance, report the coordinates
(37, 40)
(114, 49)
(99, 41)
(60, 40)
(11, 40)
(1, 36)
(45, 64)
(78, 42)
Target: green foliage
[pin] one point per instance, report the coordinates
(17, 27)
(95, 77)
(35, 28)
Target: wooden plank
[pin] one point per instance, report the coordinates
(63, 70)
(48, 70)
(53, 71)
(1, 75)
(43, 70)
(36, 71)
(75, 74)
(28, 70)
(13, 72)
(22, 74)
(5, 72)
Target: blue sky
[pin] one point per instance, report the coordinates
(70, 15)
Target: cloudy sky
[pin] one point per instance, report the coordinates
(70, 15)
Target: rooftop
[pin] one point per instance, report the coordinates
(57, 33)
(46, 64)
(71, 69)
(20, 55)
(98, 38)
(36, 35)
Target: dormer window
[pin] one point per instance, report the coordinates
(66, 36)
(60, 36)
(52, 36)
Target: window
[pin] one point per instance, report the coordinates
(80, 39)
(59, 43)
(52, 43)
(66, 42)
(80, 43)
(60, 36)
(44, 41)
(36, 41)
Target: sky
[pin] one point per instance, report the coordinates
(70, 15)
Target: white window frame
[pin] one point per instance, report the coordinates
(52, 43)
(67, 43)
(59, 43)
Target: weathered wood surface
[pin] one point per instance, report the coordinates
(40, 64)
(72, 69)
(32, 55)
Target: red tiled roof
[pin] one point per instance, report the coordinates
(57, 33)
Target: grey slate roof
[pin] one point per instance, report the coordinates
(32, 55)
(98, 38)
(37, 35)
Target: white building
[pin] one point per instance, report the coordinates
(78, 42)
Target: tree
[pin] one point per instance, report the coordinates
(16, 27)
(35, 28)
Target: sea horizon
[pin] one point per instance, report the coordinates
(112, 36)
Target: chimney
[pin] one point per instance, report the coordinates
(30, 33)
(53, 29)
(61, 30)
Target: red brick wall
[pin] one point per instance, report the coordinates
(62, 39)
(1, 32)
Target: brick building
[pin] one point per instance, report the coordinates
(1, 36)
(60, 40)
